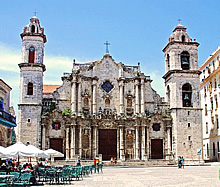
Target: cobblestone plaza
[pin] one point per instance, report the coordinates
(153, 176)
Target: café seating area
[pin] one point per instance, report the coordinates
(47, 175)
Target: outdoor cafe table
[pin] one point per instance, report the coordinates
(6, 176)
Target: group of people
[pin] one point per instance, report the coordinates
(113, 160)
(181, 162)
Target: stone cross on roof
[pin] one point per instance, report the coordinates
(107, 44)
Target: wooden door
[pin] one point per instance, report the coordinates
(108, 143)
(57, 144)
(157, 149)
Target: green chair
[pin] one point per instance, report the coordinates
(3, 182)
(16, 176)
(3, 173)
(65, 176)
(24, 180)
(51, 176)
(41, 174)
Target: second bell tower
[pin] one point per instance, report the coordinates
(31, 83)
(182, 92)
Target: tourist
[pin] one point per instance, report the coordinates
(115, 160)
(182, 162)
(94, 161)
(112, 160)
(179, 162)
(78, 162)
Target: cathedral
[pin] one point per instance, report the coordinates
(110, 109)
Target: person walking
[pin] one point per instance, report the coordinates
(182, 162)
(78, 162)
(179, 162)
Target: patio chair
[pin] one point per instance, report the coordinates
(24, 180)
(3, 182)
(65, 175)
(51, 176)
(74, 173)
(41, 174)
(16, 176)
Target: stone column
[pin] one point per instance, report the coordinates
(94, 97)
(142, 96)
(168, 141)
(73, 96)
(43, 136)
(121, 90)
(136, 96)
(80, 141)
(72, 142)
(143, 153)
(118, 143)
(90, 143)
(122, 155)
(95, 140)
(137, 143)
(79, 98)
(67, 144)
(148, 142)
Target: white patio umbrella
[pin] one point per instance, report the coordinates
(18, 149)
(37, 152)
(53, 153)
(4, 153)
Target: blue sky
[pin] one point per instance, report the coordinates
(137, 30)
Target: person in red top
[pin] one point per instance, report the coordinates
(94, 161)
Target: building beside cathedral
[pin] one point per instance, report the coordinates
(109, 108)
(210, 83)
(7, 115)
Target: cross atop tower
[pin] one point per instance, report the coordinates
(179, 20)
(35, 13)
(107, 44)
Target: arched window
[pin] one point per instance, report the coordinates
(32, 28)
(31, 54)
(1, 103)
(183, 38)
(168, 60)
(168, 93)
(30, 89)
(107, 103)
(213, 148)
(187, 95)
(185, 60)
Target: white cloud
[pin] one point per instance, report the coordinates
(9, 71)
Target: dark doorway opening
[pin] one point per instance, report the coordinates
(157, 149)
(57, 144)
(108, 143)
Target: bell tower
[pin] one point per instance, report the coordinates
(31, 82)
(182, 93)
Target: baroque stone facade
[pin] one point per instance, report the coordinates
(109, 108)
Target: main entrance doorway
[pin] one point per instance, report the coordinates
(108, 143)
(157, 149)
(57, 144)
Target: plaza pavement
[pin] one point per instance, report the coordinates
(207, 176)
